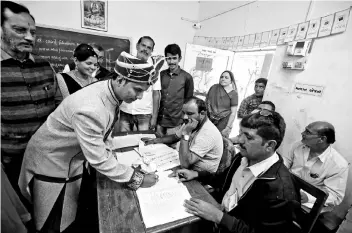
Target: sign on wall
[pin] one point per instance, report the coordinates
(308, 89)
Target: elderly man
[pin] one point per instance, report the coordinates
(257, 192)
(142, 113)
(201, 144)
(314, 160)
(252, 102)
(29, 91)
(78, 131)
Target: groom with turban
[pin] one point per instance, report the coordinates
(78, 131)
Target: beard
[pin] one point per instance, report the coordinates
(14, 45)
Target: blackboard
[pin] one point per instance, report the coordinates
(57, 45)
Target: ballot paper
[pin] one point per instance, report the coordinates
(163, 156)
(128, 140)
(128, 158)
(163, 202)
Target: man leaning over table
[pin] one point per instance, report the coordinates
(78, 131)
(201, 144)
(257, 192)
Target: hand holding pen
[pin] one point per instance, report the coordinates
(184, 174)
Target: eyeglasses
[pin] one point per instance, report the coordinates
(265, 112)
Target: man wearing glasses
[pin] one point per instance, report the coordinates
(256, 191)
(314, 160)
(176, 87)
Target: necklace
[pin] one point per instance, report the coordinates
(82, 81)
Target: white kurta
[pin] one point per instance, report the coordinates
(73, 133)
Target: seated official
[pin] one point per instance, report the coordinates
(314, 160)
(257, 192)
(201, 144)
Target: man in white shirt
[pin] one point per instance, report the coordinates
(142, 113)
(314, 160)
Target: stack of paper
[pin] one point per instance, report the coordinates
(163, 202)
(161, 155)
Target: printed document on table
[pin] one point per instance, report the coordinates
(163, 156)
(128, 140)
(163, 202)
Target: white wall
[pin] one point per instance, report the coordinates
(160, 20)
(329, 65)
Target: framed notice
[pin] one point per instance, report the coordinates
(274, 37)
(282, 36)
(292, 30)
(313, 28)
(326, 25)
(302, 31)
(94, 15)
(340, 23)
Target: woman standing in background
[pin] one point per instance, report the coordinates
(86, 62)
(222, 102)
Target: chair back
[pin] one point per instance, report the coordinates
(308, 219)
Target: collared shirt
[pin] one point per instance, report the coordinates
(248, 105)
(144, 105)
(244, 178)
(327, 171)
(176, 88)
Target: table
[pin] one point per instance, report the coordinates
(119, 212)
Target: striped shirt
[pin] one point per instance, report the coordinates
(29, 93)
(248, 105)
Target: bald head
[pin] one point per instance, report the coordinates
(324, 128)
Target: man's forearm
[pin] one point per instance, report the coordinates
(184, 154)
(156, 103)
(168, 139)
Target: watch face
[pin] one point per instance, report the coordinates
(186, 137)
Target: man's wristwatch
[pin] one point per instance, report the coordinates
(185, 137)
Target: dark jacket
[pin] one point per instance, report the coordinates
(268, 205)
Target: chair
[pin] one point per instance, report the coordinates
(306, 220)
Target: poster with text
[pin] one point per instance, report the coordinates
(302, 31)
(274, 37)
(326, 25)
(265, 39)
(291, 33)
(340, 22)
(313, 28)
(282, 36)
(206, 64)
(257, 40)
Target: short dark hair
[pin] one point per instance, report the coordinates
(199, 102)
(148, 38)
(83, 52)
(174, 49)
(329, 133)
(15, 8)
(98, 47)
(269, 103)
(261, 80)
(270, 127)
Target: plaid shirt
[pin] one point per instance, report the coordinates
(248, 105)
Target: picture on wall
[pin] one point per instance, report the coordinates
(94, 14)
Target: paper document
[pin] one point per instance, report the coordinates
(129, 140)
(161, 155)
(128, 158)
(163, 202)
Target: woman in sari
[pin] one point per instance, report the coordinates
(222, 101)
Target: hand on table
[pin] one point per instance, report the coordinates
(184, 174)
(203, 209)
(149, 180)
(148, 141)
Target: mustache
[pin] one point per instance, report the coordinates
(27, 43)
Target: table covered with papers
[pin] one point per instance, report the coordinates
(120, 209)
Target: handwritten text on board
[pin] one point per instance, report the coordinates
(204, 64)
(309, 89)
